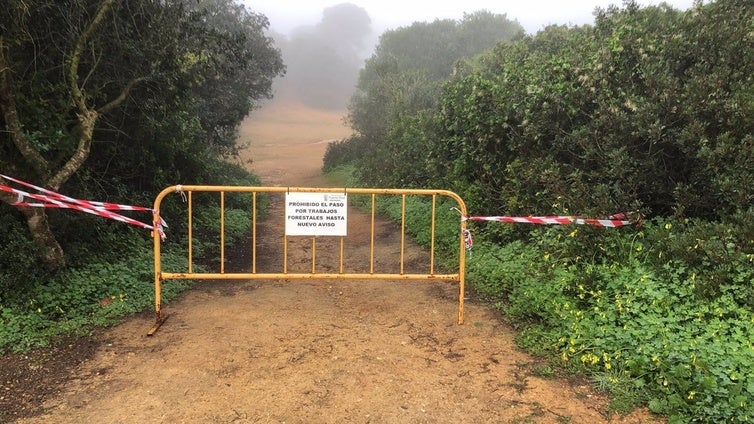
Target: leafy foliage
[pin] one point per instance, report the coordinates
(603, 118)
(74, 300)
(633, 315)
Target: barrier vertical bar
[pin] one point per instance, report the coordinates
(190, 234)
(158, 275)
(341, 253)
(462, 264)
(285, 254)
(403, 229)
(222, 232)
(314, 255)
(254, 233)
(371, 246)
(157, 272)
(432, 237)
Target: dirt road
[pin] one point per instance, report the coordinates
(317, 351)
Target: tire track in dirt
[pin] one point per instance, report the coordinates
(317, 351)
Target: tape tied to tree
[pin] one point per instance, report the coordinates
(51, 199)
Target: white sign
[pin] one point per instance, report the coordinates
(316, 214)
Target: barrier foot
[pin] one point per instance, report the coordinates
(159, 320)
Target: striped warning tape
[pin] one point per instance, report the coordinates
(616, 220)
(553, 220)
(51, 199)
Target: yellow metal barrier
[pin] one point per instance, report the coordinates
(186, 191)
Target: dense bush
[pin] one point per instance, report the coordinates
(639, 111)
(342, 152)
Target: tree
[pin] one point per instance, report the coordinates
(648, 109)
(86, 113)
(77, 71)
(236, 69)
(403, 78)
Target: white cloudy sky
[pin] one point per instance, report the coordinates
(532, 14)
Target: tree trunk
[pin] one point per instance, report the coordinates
(51, 253)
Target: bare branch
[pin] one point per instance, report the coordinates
(87, 122)
(86, 116)
(121, 97)
(73, 70)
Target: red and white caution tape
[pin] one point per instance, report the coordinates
(553, 220)
(51, 199)
(616, 220)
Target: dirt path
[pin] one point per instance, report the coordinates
(317, 351)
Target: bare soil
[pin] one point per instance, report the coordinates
(297, 351)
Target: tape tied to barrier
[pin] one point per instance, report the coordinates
(612, 221)
(615, 220)
(49, 199)
(554, 220)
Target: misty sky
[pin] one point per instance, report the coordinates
(286, 15)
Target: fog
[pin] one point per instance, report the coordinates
(323, 60)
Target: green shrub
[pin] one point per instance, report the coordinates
(342, 152)
(77, 299)
(613, 304)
